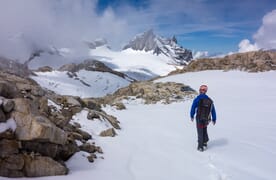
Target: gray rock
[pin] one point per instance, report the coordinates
(38, 166)
(30, 127)
(12, 166)
(91, 157)
(85, 135)
(8, 147)
(92, 115)
(109, 132)
(8, 89)
(87, 147)
(8, 105)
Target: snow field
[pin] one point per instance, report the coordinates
(158, 142)
(101, 83)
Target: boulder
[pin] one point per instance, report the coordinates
(8, 147)
(119, 106)
(55, 151)
(8, 89)
(87, 147)
(85, 135)
(37, 166)
(30, 127)
(12, 166)
(92, 104)
(109, 132)
(92, 115)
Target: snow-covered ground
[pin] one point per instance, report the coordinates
(131, 61)
(158, 142)
(86, 84)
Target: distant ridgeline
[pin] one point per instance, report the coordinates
(255, 61)
(148, 41)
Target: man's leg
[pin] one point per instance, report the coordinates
(199, 137)
(205, 136)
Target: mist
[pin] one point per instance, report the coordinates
(28, 26)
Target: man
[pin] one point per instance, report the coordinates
(203, 106)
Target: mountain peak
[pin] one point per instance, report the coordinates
(144, 41)
(148, 41)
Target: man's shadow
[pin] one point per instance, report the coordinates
(217, 143)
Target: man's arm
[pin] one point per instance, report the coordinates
(193, 108)
(214, 115)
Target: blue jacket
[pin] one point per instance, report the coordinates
(195, 104)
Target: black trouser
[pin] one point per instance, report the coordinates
(202, 135)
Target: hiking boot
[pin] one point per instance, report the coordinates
(201, 149)
(205, 145)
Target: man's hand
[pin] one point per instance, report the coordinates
(192, 119)
(214, 122)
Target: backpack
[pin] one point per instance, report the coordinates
(203, 110)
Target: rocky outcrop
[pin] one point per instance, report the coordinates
(36, 135)
(255, 61)
(105, 117)
(150, 92)
(45, 69)
(91, 65)
(148, 41)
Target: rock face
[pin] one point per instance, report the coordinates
(148, 41)
(91, 65)
(40, 137)
(255, 61)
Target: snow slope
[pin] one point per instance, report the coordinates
(137, 64)
(97, 83)
(158, 142)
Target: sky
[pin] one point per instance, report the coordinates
(208, 25)
(215, 26)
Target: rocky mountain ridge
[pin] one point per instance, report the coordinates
(255, 61)
(148, 41)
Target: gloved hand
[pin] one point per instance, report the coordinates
(192, 119)
(214, 122)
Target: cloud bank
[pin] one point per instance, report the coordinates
(265, 37)
(38, 24)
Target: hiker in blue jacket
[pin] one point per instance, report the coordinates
(205, 111)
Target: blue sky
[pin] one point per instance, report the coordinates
(211, 25)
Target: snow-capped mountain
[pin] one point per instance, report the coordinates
(148, 41)
(139, 65)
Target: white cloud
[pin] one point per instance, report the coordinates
(35, 24)
(245, 46)
(265, 36)
(200, 54)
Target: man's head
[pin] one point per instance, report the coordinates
(203, 89)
